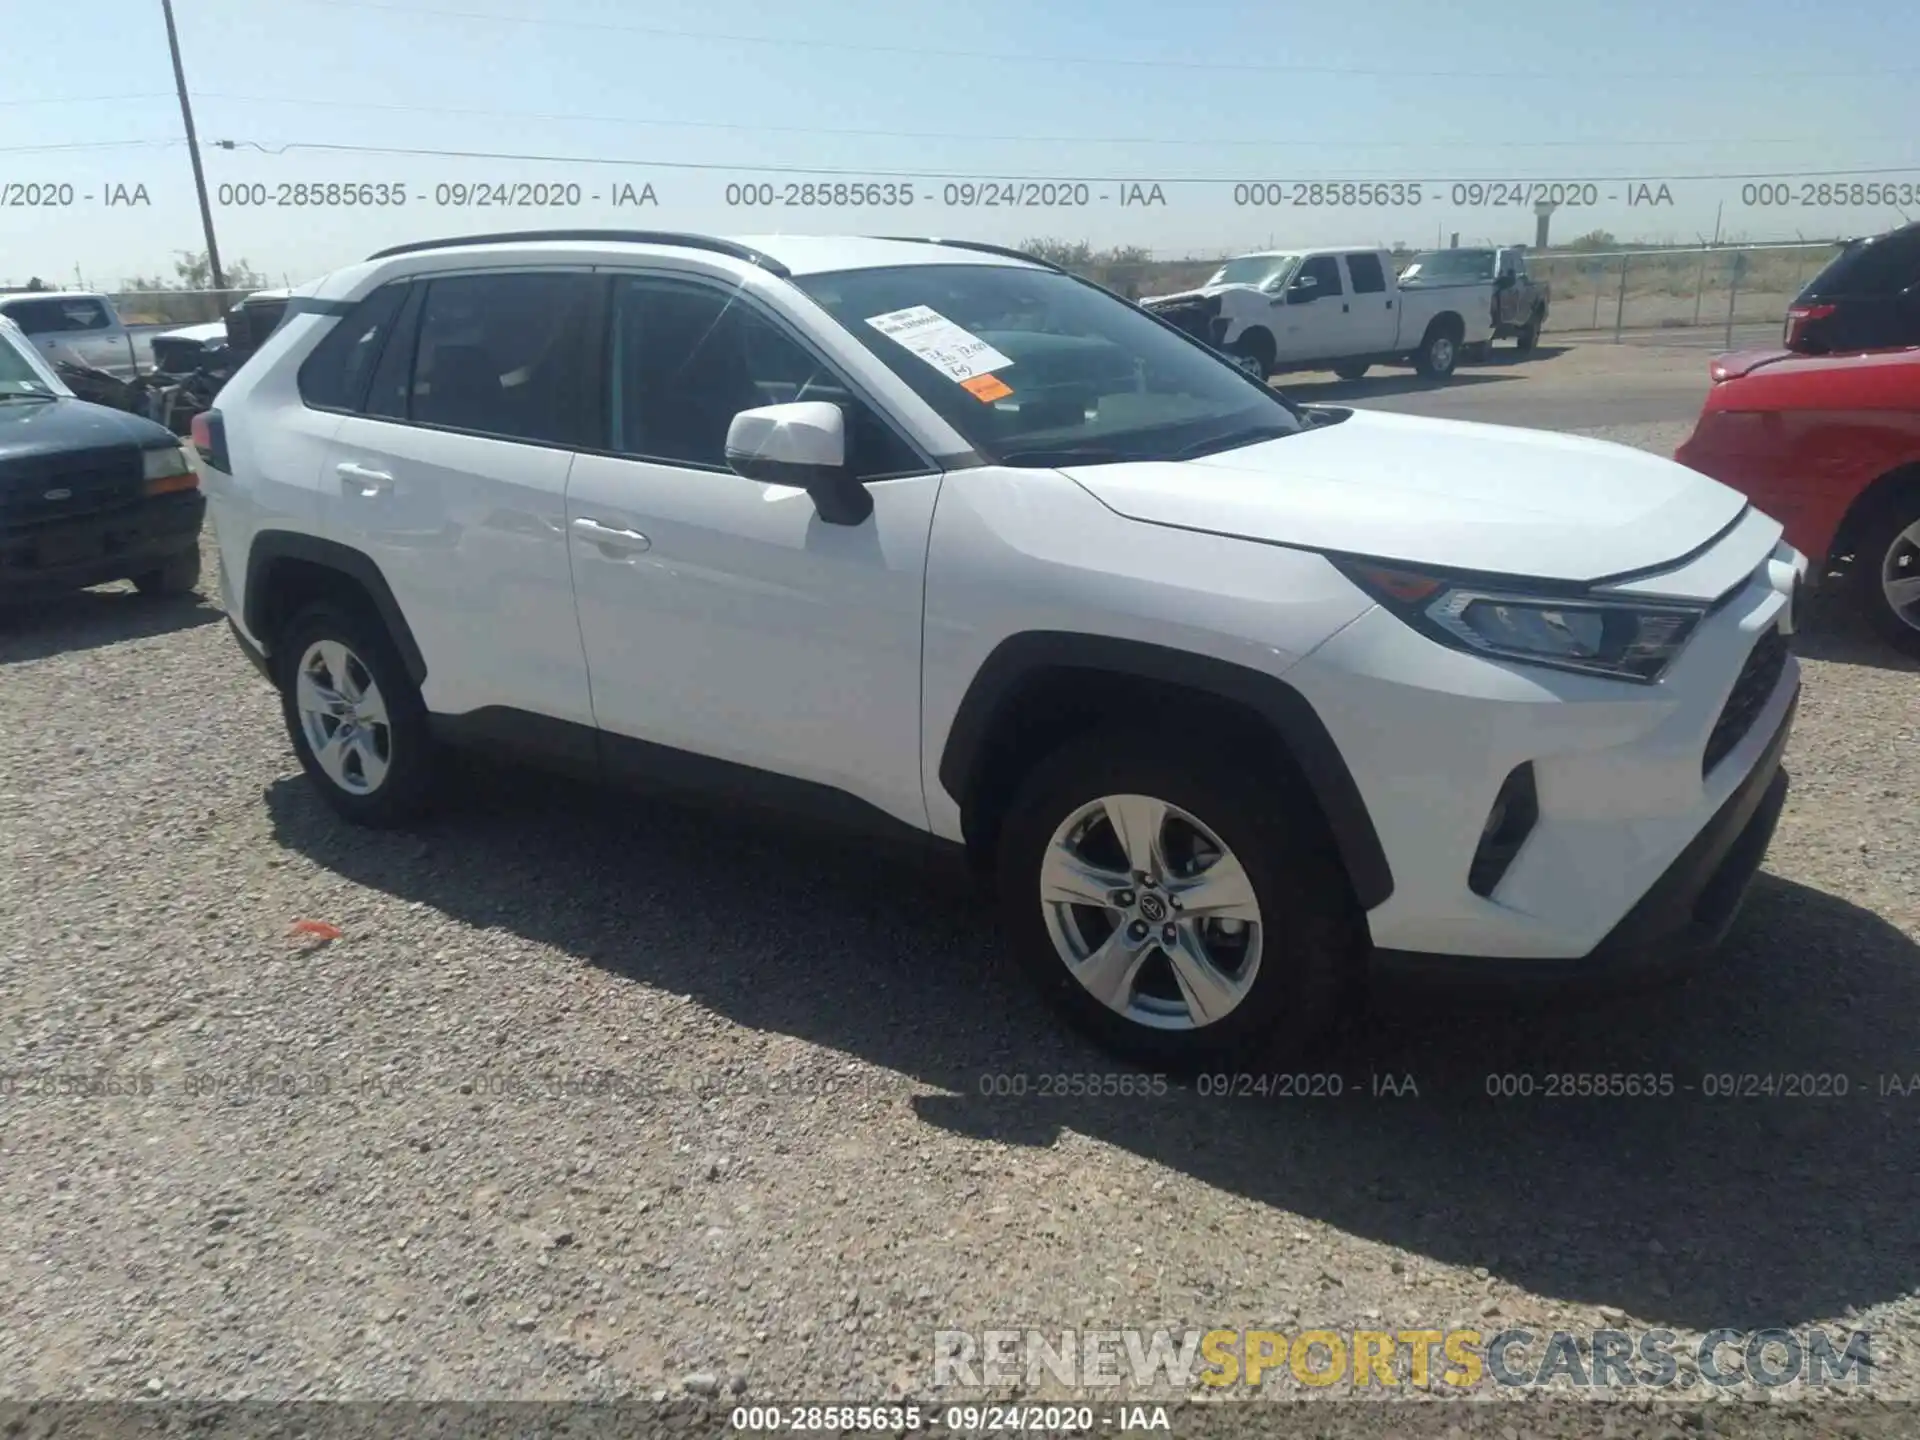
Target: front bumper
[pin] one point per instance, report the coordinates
(1679, 921)
(1626, 779)
(95, 549)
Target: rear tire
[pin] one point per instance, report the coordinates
(1256, 348)
(355, 716)
(1529, 336)
(1270, 969)
(1887, 569)
(1352, 372)
(1439, 352)
(178, 576)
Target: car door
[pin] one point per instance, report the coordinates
(1371, 323)
(452, 478)
(1313, 324)
(722, 616)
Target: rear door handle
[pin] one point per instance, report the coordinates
(358, 479)
(611, 539)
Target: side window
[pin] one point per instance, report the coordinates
(334, 376)
(392, 377)
(1886, 267)
(42, 317)
(510, 355)
(1325, 269)
(1369, 276)
(686, 358)
(86, 315)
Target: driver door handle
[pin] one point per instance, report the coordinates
(361, 480)
(611, 538)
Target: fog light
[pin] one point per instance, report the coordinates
(1515, 811)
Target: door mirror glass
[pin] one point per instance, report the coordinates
(803, 444)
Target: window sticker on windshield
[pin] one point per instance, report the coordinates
(987, 388)
(955, 353)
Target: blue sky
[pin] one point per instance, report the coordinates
(1192, 97)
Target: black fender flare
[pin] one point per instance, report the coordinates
(271, 546)
(1284, 708)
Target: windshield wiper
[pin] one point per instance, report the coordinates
(1070, 455)
(28, 395)
(1234, 439)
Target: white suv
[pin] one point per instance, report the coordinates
(1233, 698)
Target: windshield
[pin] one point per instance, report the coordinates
(1255, 270)
(1444, 266)
(1036, 367)
(21, 371)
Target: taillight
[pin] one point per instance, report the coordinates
(210, 440)
(1798, 318)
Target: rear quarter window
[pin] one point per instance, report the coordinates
(335, 375)
(1886, 265)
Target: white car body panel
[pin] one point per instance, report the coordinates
(750, 630)
(747, 629)
(1442, 492)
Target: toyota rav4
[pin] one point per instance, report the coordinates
(1230, 698)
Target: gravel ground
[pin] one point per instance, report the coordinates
(594, 1097)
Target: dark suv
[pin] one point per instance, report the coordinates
(1867, 298)
(88, 494)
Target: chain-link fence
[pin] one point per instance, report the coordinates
(1705, 287)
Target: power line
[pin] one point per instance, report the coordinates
(88, 145)
(88, 99)
(868, 172)
(1011, 57)
(975, 136)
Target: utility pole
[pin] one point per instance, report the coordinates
(193, 151)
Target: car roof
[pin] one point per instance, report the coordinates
(8, 296)
(818, 254)
(791, 255)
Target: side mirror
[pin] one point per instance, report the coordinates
(803, 444)
(1306, 288)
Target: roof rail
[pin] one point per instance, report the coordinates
(1007, 251)
(631, 237)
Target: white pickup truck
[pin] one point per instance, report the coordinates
(73, 327)
(1339, 309)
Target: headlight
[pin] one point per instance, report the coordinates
(1625, 639)
(167, 468)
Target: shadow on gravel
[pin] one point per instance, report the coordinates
(1694, 1208)
(1837, 632)
(85, 619)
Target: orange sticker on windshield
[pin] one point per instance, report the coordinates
(987, 388)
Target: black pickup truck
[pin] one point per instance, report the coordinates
(88, 494)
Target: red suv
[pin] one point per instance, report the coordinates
(1829, 445)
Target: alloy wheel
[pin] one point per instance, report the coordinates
(344, 717)
(1151, 912)
(1900, 576)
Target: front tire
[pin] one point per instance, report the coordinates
(355, 716)
(1174, 908)
(1255, 349)
(1888, 567)
(180, 575)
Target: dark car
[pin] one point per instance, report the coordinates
(1867, 298)
(88, 494)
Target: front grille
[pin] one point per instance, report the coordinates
(47, 489)
(1198, 315)
(1750, 694)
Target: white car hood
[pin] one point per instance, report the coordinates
(1200, 292)
(1436, 492)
